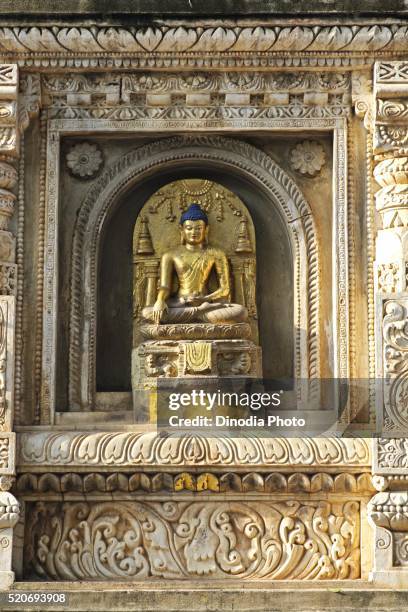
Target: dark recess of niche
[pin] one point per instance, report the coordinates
(274, 276)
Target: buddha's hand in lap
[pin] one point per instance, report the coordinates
(195, 300)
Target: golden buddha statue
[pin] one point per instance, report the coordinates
(193, 262)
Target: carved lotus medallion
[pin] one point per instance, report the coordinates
(84, 160)
(308, 157)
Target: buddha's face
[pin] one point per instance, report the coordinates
(193, 232)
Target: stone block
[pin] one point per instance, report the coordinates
(276, 98)
(158, 99)
(237, 99)
(316, 98)
(198, 99)
(80, 99)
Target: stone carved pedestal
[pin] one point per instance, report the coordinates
(203, 360)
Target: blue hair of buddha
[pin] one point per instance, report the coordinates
(194, 213)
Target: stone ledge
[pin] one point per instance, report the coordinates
(159, 595)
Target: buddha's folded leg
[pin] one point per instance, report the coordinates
(205, 313)
(173, 315)
(224, 313)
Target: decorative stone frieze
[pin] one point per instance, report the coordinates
(389, 510)
(9, 150)
(130, 448)
(212, 44)
(123, 485)
(392, 453)
(197, 95)
(9, 136)
(29, 99)
(304, 540)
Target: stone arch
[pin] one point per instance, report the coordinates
(119, 177)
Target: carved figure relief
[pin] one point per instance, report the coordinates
(192, 264)
(230, 363)
(213, 202)
(160, 365)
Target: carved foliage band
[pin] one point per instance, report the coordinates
(196, 95)
(180, 40)
(137, 540)
(128, 448)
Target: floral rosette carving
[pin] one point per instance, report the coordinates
(84, 160)
(308, 157)
(392, 453)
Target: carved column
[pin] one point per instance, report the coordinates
(388, 510)
(9, 151)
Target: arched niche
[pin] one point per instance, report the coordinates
(101, 290)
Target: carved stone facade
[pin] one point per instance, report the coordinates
(297, 134)
(389, 131)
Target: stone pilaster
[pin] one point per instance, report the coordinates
(9, 149)
(388, 510)
(9, 152)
